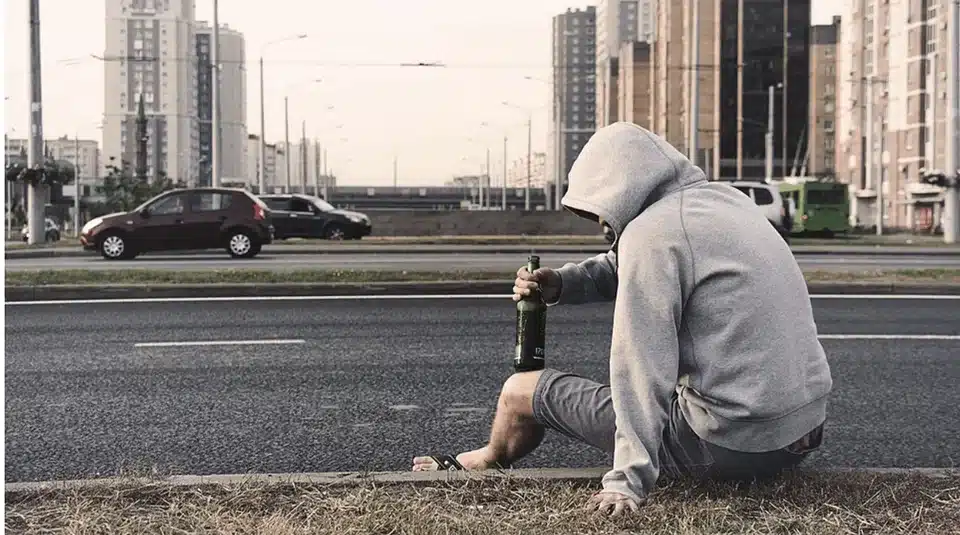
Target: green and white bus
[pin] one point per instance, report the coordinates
(817, 207)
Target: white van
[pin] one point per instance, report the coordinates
(768, 199)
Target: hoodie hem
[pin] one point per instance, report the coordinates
(752, 436)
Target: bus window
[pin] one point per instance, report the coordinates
(826, 197)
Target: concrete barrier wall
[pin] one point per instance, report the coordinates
(467, 223)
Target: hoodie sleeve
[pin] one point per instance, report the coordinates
(645, 354)
(594, 279)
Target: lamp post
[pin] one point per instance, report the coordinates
(261, 182)
(526, 197)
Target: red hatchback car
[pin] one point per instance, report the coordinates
(184, 219)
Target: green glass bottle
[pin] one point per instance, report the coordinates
(531, 327)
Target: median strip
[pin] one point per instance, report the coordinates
(104, 277)
(803, 503)
(145, 284)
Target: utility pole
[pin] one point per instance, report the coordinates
(489, 183)
(695, 86)
(141, 167)
(262, 149)
(326, 176)
(305, 165)
(316, 168)
(884, 159)
(870, 157)
(768, 137)
(951, 199)
(503, 190)
(558, 151)
(215, 94)
(783, 95)
(76, 184)
(526, 199)
(36, 193)
(396, 172)
(286, 141)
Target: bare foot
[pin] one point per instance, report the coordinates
(471, 460)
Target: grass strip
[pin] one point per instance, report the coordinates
(800, 504)
(907, 240)
(264, 276)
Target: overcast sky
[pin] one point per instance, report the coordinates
(430, 118)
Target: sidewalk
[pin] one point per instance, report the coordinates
(547, 502)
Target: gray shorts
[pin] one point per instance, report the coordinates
(583, 410)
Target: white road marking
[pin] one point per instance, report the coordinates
(928, 337)
(220, 343)
(374, 297)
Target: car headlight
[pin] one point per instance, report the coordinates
(355, 218)
(92, 224)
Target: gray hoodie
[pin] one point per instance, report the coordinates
(710, 306)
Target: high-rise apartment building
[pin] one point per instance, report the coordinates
(772, 45)
(150, 52)
(617, 22)
(673, 75)
(274, 164)
(573, 88)
(821, 156)
(635, 84)
(891, 109)
(233, 102)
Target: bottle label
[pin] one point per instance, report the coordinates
(531, 339)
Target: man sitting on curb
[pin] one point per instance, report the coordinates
(715, 366)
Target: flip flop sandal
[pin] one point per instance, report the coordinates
(446, 462)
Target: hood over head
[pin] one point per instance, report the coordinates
(622, 170)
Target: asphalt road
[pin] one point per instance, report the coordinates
(439, 261)
(368, 384)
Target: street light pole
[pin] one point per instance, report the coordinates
(951, 199)
(768, 137)
(36, 193)
(286, 140)
(261, 183)
(215, 94)
(503, 190)
(526, 200)
(76, 184)
(262, 149)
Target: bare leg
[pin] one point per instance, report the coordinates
(514, 433)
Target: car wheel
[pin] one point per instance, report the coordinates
(241, 244)
(113, 246)
(334, 232)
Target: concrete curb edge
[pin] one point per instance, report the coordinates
(408, 288)
(159, 291)
(570, 475)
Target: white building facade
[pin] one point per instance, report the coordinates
(150, 53)
(233, 102)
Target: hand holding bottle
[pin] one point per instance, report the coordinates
(544, 279)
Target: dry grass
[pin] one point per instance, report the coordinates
(803, 503)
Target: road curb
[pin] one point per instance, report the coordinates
(407, 249)
(562, 475)
(492, 287)
(159, 291)
(466, 288)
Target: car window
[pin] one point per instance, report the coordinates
(762, 196)
(275, 203)
(300, 205)
(743, 190)
(171, 205)
(210, 201)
